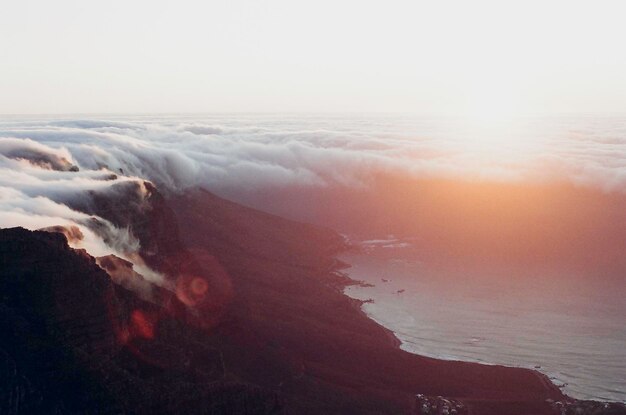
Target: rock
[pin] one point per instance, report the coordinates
(71, 344)
(585, 407)
(438, 405)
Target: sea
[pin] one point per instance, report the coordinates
(574, 333)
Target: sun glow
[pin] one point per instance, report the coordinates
(492, 111)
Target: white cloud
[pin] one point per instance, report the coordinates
(243, 153)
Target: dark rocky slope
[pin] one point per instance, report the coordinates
(74, 343)
(254, 323)
(290, 329)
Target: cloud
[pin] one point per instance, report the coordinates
(41, 189)
(52, 170)
(99, 236)
(37, 154)
(247, 153)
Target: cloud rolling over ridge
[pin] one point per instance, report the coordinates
(51, 168)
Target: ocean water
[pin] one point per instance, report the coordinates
(573, 332)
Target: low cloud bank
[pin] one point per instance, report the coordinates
(51, 168)
(42, 188)
(37, 154)
(253, 152)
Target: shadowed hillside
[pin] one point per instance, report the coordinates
(255, 323)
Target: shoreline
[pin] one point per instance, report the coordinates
(544, 378)
(340, 280)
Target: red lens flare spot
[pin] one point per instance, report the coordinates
(141, 325)
(199, 286)
(192, 290)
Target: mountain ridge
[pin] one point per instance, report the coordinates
(254, 322)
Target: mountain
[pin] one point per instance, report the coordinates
(250, 319)
(75, 343)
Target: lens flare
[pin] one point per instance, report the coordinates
(141, 325)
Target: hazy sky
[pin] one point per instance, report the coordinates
(483, 58)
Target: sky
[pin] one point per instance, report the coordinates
(484, 59)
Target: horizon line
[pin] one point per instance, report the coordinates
(329, 113)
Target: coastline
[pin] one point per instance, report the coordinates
(339, 280)
(344, 280)
(289, 289)
(544, 379)
(289, 332)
